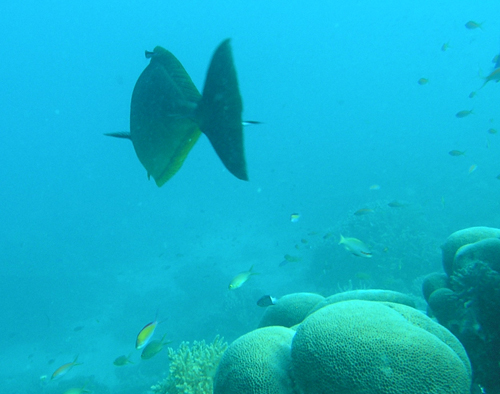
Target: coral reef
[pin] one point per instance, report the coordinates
(290, 309)
(377, 347)
(467, 301)
(257, 363)
(192, 368)
(352, 346)
(367, 295)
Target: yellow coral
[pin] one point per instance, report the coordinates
(192, 368)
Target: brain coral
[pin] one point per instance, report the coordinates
(432, 282)
(257, 363)
(376, 347)
(486, 250)
(368, 295)
(290, 310)
(461, 238)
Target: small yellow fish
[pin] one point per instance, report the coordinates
(363, 211)
(241, 278)
(64, 369)
(445, 46)
(145, 334)
(294, 217)
(492, 131)
(122, 360)
(423, 81)
(153, 348)
(464, 113)
(472, 94)
(472, 168)
(375, 187)
(455, 152)
(355, 246)
(77, 390)
(471, 25)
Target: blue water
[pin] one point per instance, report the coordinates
(88, 243)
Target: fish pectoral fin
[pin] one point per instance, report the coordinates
(120, 134)
(219, 111)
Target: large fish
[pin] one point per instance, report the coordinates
(168, 114)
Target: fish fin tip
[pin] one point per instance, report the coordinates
(119, 134)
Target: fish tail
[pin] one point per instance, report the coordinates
(341, 239)
(219, 111)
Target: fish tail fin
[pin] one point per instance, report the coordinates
(219, 111)
(341, 239)
(120, 134)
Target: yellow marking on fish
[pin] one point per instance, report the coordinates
(241, 278)
(294, 217)
(472, 168)
(355, 246)
(145, 334)
(423, 81)
(64, 369)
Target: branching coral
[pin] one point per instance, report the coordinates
(192, 368)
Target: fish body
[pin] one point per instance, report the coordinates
(492, 131)
(471, 25)
(472, 94)
(464, 113)
(145, 334)
(472, 168)
(445, 46)
(363, 211)
(493, 76)
(77, 390)
(153, 348)
(168, 114)
(294, 217)
(355, 246)
(266, 301)
(396, 204)
(122, 360)
(423, 81)
(241, 278)
(375, 187)
(455, 152)
(64, 369)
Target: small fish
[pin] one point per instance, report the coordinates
(122, 360)
(464, 113)
(294, 217)
(471, 25)
(77, 390)
(492, 131)
(266, 300)
(363, 211)
(64, 369)
(241, 278)
(455, 152)
(355, 246)
(445, 46)
(423, 81)
(145, 334)
(304, 241)
(472, 168)
(493, 76)
(328, 235)
(472, 94)
(396, 204)
(292, 259)
(375, 187)
(154, 347)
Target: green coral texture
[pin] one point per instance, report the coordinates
(192, 368)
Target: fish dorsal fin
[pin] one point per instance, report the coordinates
(177, 73)
(219, 111)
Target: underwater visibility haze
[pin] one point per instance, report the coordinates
(376, 127)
